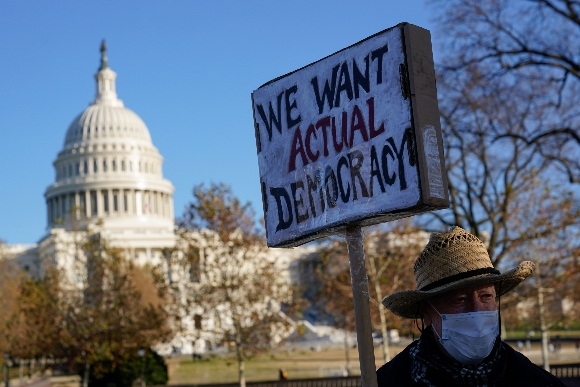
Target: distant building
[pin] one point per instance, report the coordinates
(108, 175)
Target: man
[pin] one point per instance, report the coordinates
(457, 299)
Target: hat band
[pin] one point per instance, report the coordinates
(459, 276)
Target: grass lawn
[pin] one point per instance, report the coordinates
(511, 334)
(298, 365)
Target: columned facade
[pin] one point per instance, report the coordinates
(109, 172)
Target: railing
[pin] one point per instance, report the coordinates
(566, 371)
(561, 371)
(349, 381)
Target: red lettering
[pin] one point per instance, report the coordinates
(309, 132)
(297, 149)
(374, 133)
(324, 123)
(357, 122)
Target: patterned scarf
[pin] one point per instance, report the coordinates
(430, 367)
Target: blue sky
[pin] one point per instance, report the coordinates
(187, 68)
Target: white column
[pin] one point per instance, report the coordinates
(88, 203)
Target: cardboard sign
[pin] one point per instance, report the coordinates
(351, 138)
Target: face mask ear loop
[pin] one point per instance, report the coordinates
(417, 323)
(499, 306)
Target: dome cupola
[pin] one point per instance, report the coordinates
(109, 169)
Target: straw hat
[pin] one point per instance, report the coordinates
(450, 261)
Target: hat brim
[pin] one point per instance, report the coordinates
(406, 303)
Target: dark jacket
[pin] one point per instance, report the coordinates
(518, 371)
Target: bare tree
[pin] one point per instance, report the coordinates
(492, 178)
(390, 251)
(234, 289)
(529, 42)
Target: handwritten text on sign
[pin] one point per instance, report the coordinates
(335, 141)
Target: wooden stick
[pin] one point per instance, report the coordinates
(360, 295)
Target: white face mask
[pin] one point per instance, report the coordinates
(469, 337)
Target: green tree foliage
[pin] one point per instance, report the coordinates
(132, 367)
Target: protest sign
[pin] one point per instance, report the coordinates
(353, 138)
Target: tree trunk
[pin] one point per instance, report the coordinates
(379, 295)
(86, 375)
(543, 329)
(347, 352)
(241, 363)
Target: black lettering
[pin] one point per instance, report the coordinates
(273, 119)
(344, 84)
(390, 180)
(400, 153)
(343, 195)
(298, 203)
(359, 79)
(375, 171)
(356, 162)
(313, 187)
(290, 106)
(257, 134)
(278, 194)
(378, 54)
(329, 174)
(327, 93)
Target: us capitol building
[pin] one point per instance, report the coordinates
(109, 174)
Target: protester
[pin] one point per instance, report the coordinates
(457, 298)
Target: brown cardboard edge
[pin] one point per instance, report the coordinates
(425, 108)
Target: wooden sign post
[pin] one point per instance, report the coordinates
(349, 141)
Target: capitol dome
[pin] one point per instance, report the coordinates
(109, 171)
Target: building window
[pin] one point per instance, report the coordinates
(104, 165)
(105, 201)
(197, 321)
(114, 165)
(78, 169)
(116, 201)
(125, 202)
(82, 203)
(95, 166)
(94, 206)
(123, 165)
(85, 167)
